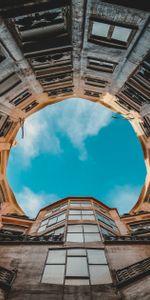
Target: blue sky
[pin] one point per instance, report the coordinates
(76, 148)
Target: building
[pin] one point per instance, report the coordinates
(76, 248)
(51, 51)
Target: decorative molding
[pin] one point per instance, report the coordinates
(6, 278)
(132, 272)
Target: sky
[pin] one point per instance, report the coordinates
(75, 148)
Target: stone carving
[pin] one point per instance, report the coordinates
(132, 272)
(9, 236)
(6, 278)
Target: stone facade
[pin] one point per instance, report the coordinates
(76, 248)
(90, 49)
(50, 51)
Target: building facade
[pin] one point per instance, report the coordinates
(50, 51)
(76, 248)
(54, 50)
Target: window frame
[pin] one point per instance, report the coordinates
(99, 64)
(77, 255)
(109, 41)
(83, 233)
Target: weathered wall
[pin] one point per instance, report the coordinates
(30, 260)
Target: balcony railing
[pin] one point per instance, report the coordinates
(133, 272)
(127, 238)
(6, 278)
(7, 236)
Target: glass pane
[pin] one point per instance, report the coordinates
(64, 206)
(44, 222)
(100, 29)
(56, 208)
(75, 204)
(61, 217)
(75, 237)
(88, 217)
(52, 221)
(121, 33)
(48, 214)
(76, 252)
(86, 203)
(77, 266)
(76, 282)
(50, 233)
(106, 232)
(90, 228)
(112, 223)
(42, 228)
(74, 212)
(103, 219)
(74, 217)
(87, 212)
(59, 230)
(56, 257)
(92, 237)
(53, 274)
(100, 274)
(74, 228)
(101, 208)
(96, 256)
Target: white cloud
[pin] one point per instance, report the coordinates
(81, 119)
(77, 119)
(31, 202)
(123, 197)
(39, 138)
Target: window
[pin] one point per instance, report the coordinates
(57, 231)
(83, 233)
(96, 82)
(103, 210)
(75, 237)
(55, 209)
(73, 268)
(92, 93)
(74, 228)
(50, 23)
(55, 80)
(145, 125)
(80, 203)
(80, 212)
(76, 267)
(20, 98)
(81, 215)
(56, 257)
(51, 61)
(74, 217)
(107, 221)
(51, 221)
(99, 274)
(140, 227)
(48, 214)
(30, 106)
(5, 126)
(111, 33)
(106, 232)
(42, 228)
(53, 274)
(101, 65)
(60, 91)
